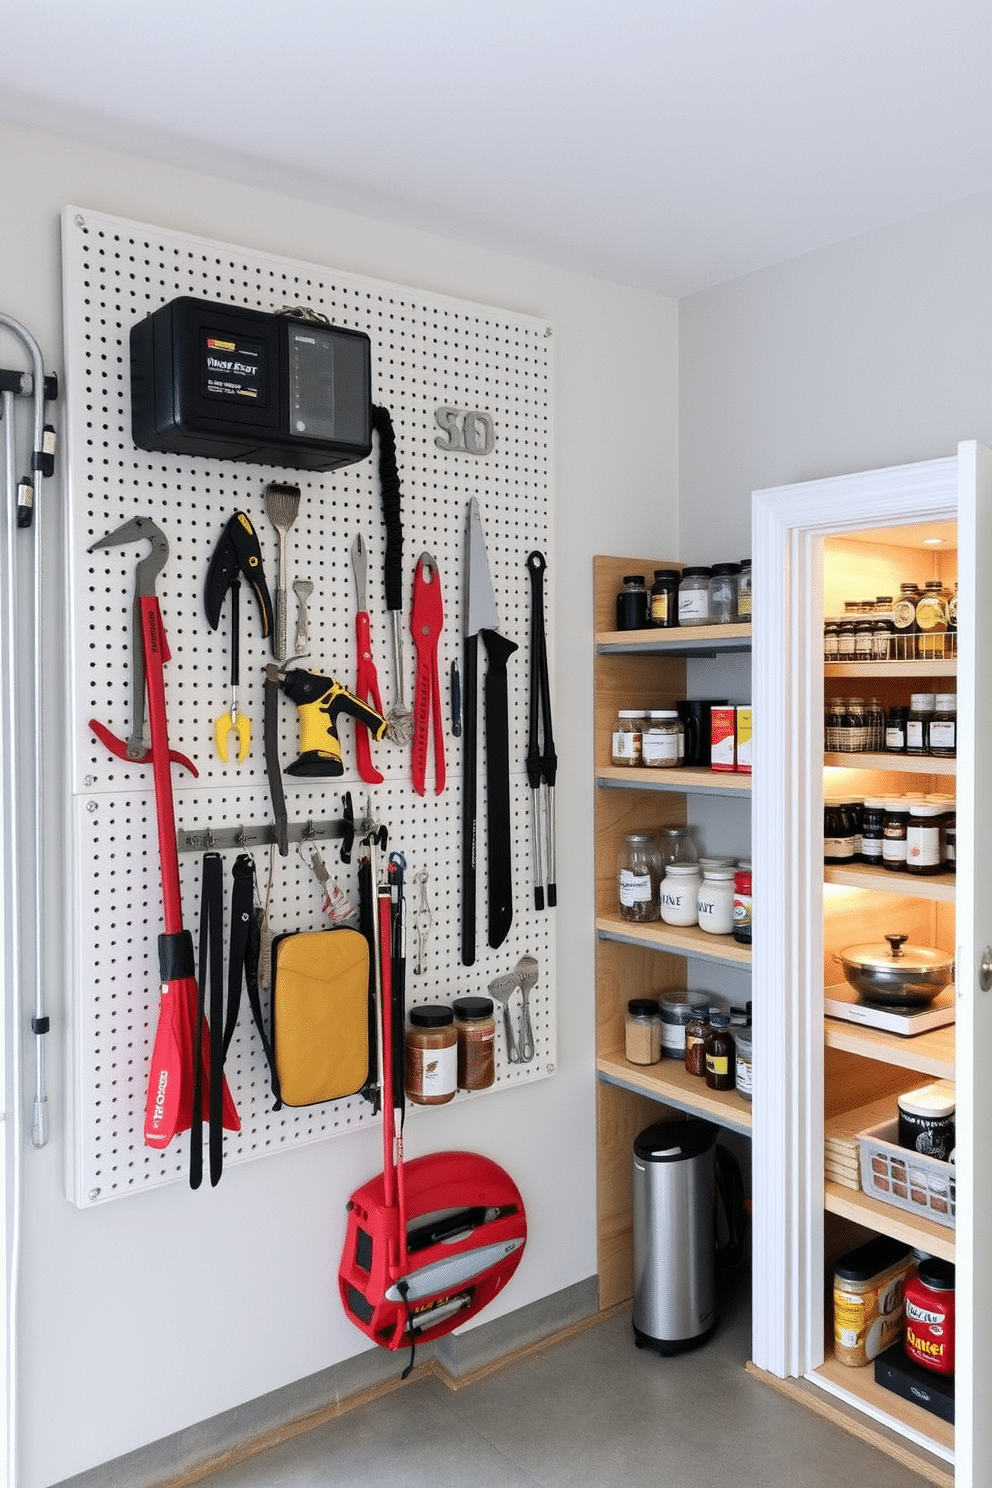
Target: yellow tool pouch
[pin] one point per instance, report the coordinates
(320, 1016)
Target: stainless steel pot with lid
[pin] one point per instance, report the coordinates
(897, 974)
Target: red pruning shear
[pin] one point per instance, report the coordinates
(426, 624)
(367, 686)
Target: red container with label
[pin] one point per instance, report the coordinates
(929, 1334)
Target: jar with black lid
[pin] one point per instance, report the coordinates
(431, 1055)
(831, 640)
(931, 621)
(882, 628)
(846, 639)
(853, 731)
(924, 838)
(718, 1052)
(875, 720)
(723, 593)
(475, 1027)
(864, 639)
(695, 1042)
(895, 729)
(904, 622)
(894, 831)
(872, 830)
(664, 597)
(744, 592)
(944, 725)
(838, 832)
(632, 604)
(694, 596)
(921, 710)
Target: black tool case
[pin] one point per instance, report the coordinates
(241, 384)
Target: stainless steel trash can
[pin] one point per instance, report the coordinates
(675, 1251)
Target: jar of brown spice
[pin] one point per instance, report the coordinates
(431, 1055)
(476, 1030)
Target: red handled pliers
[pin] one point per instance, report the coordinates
(367, 686)
(426, 624)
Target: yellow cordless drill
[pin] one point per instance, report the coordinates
(320, 701)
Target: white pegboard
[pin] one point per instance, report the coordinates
(428, 352)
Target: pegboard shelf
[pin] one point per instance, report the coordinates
(432, 356)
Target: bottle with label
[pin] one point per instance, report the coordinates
(921, 709)
(678, 894)
(665, 597)
(632, 604)
(694, 596)
(744, 593)
(475, 1027)
(924, 838)
(719, 1054)
(894, 830)
(431, 1056)
(628, 737)
(944, 725)
(742, 906)
(930, 1315)
(931, 621)
(695, 1042)
(872, 830)
(642, 1031)
(743, 1077)
(875, 719)
(715, 901)
(838, 833)
(723, 593)
(904, 623)
(896, 720)
(638, 877)
(663, 740)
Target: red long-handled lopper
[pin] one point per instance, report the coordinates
(426, 624)
(169, 1106)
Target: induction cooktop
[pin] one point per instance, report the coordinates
(843, 1002)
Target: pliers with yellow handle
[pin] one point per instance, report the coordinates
(237, 553)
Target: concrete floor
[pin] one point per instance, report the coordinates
(592, 1409)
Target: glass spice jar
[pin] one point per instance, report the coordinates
(723, 593)
(663, 740)
(628, 738)
(695, 1042)
(694, 596)
(664, 597)
(642, 1031)
(922, 706)
(632, 604)
(744, 593)
(475, 1027)
(944, 725)
(638, 877)
(431, 1056)
(894, 828)
(719, 1054)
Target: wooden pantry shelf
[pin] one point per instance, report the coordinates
(899, 764)
(678, 940)
(926, 1053)
(687, 780)
(671, 1084)
(886, 1219)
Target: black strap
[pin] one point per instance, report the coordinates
(211, 967)
(270, 729)
(470, 786)
(389, 485)
(498, 846)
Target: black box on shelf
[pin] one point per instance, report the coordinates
(895, 1371)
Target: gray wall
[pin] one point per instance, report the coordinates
(159, 1310)
(873, 352)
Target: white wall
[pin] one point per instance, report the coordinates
(873, 352)
(162, 1309)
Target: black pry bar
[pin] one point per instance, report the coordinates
(542, 763)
